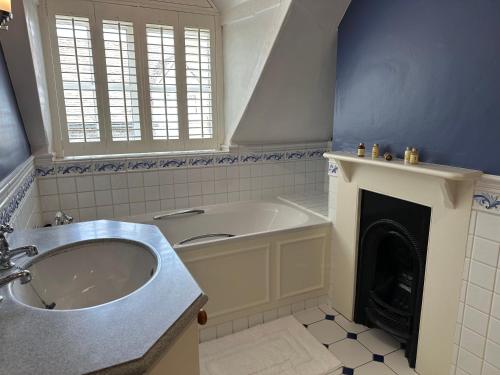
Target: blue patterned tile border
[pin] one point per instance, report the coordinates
(316, 154)
(137, 165)
(227, 159)
(333, 169)
(488, 201)
(201, 161)
(74, 168)
(274, 156)
(250, 158)
(172, 163)
(45, 170)
(7, 212)
(111, 166)
(295, 155)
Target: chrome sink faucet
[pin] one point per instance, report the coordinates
(62, 218)
(6, 253)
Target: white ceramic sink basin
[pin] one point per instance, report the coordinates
(86, 274)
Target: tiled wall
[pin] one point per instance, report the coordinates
(19, 203)
(477, 350)
(97, 189)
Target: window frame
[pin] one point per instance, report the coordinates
(97, 11)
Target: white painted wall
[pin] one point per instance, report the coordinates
(293, 98)
(249, 32)
(24, 56)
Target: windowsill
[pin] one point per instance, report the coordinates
(141, 155)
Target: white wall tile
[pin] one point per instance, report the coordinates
(255, 319)
(136, 195)
(120, 196)
(482, 275)
(47, 186)
(472, 342)
(102, 182)
(180, 176)
(475, 320)
(103, 198)
(66, 185)
(479, 298)
(84, 183)
(240, 324)
(86, 199)
(119, 181)
(492, 354)
(151, 178)
(494, 330)
(469, 362)
(152, 193)
(68, 201)
(488, 226)
(166, 177)
(489, 369)
(486, 251)
(135, 179)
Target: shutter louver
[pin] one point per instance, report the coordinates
(162, 82)
(78, 79)
(123, 94)
(199, 82)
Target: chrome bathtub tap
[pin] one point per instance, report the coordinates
(6, 253)
(62, 219)
(24, 276)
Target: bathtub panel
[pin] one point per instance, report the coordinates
(233, 280)
(301, 265)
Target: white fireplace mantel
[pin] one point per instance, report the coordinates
(448, 191)
(448, 176)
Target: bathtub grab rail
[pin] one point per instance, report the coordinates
(207, 235)
(178, 213)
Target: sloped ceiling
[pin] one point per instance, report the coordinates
(293, 97)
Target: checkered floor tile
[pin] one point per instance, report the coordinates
(362, 351)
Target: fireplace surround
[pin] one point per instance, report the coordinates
(448, 192)
(392, 244)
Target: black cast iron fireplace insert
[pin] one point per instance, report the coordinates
(392, 248)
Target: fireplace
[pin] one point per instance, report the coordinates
(392, 243)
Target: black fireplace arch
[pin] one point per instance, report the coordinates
(391, 266)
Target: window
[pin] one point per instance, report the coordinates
(78, 80)
(132, 79)
(199, 82)
(162, 81)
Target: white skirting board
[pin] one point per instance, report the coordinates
(281, 347)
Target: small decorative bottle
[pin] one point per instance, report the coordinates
(407, 155)
(414, 156)
(361, 150)
(375, 151)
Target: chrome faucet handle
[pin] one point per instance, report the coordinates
(6, 228)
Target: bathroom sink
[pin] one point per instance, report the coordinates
(86, 274)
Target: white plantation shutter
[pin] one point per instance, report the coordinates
(78, 80)
(133, 79)
(123, 94)
(197, 43)
(162, 82)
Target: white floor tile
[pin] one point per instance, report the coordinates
(351, 353)
(399, 363)
(328, 309)
(378, 342)
(350, 326)
(374, 368)
(309, 316)
(327, 331)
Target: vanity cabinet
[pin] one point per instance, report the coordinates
(182, 357)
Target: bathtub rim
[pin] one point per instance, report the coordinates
(323, 221)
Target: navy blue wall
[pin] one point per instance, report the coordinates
(14, 146)
(423, 73)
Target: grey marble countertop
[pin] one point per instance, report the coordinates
(122, 337)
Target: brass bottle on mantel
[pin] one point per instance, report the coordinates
(361, 150)
(375, 151)
(407, 155)
(414, 156)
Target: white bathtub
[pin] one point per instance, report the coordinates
(238, 219)
(278, 255)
